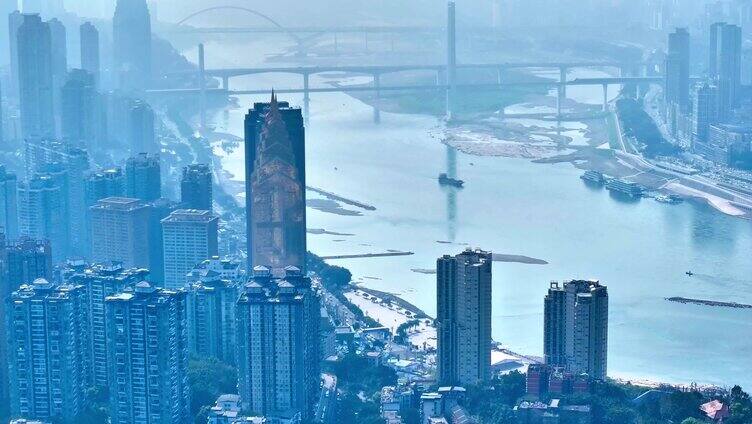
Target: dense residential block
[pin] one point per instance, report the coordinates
(148, 356)
(277, 337)
(48, 351)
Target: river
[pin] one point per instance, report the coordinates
(640, 250)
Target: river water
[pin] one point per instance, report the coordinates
(640, 250)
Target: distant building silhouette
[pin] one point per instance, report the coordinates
(131, 32)
(90, 60)
(196, 187)
(140, 130)
(277, 334)
(576, 327)
(43, 211)
(725, 66)
(8, 203)
(35, 82)
(147, 338)
(15, 20)
(103, 184)
(143, 178)
(59, 41)
(464, 318)
(189, 238)
(80, 109)
(275, 186)
(48, 351)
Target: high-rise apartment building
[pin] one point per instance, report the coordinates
(464, 318)
(90, 61)
(211, 302)
(277, 336)
(131, 32)
(147, 339)
(120, 229)
(196, 187)
(100, 281)
(35, 82)
(275, 185)
(189, 237)
(47, 351)
(576, 327)
(143, 178)
(8, 203)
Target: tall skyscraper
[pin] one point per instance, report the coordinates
(6, 8)
(464, 318)
(211, 315)
(147, 338)
(677, 69)
(275, 185)
(196, 187)
(120, 229)
(576, 327)
(189, 237)
(77, 167)
(277, 336)
(140, 131)
(90, 61)
(59, 41)
(725, 64)
(8, 203)
(143, 178)
(35, 69)
(131, 31)
(15, 20)
(48, 351)
(42, 212)
(100, 281)
(79, 109)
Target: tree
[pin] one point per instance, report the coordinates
(681, 405)
(692, 421)
(209, 378)
(621, 415)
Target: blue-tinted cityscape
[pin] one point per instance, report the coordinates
(378, 212)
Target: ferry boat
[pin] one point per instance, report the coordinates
(624, 187)
(446, 180)
(670, 198)
(594, 177)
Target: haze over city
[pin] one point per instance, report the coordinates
(330, 211)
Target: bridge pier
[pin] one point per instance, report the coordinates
(306, 97)
(336, 44)
(560, 96)
(202, 87)
(563, 70)
(226, 83)
(451, 60)
(377, 103)
(605, 97)
(499, 75)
